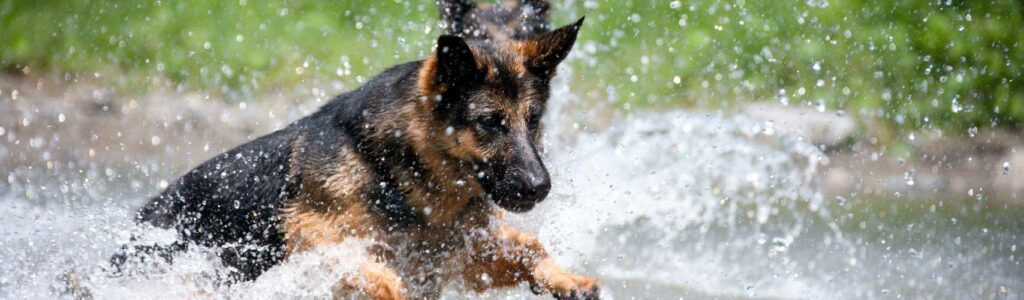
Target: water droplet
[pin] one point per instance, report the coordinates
(155, 140)
(777, 246)
(1006, 164)
(635, 18)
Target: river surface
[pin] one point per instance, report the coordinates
(661, 205)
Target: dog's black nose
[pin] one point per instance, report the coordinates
(535, 187)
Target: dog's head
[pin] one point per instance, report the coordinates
(510, 19)
(485, 100)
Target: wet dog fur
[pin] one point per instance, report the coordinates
(423, 160)
(506, 20)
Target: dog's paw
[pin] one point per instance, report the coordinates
(376, 282)
(564, 285)
(591, 293)
(382, 283)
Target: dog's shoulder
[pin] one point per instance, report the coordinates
(338, 151)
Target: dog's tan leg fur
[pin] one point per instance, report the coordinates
(510, 256)
(375, 281)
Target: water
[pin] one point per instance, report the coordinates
(657, 206)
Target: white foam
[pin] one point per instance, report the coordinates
(669, 173)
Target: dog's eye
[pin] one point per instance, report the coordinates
(492, 123)
(534, 121)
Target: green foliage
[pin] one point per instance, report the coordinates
(218, 45)
(917, 64)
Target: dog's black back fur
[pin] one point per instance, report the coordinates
(233, 201)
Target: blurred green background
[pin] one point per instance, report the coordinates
(947, 65)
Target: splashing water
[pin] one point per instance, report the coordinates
(660, 205)
(665, 199)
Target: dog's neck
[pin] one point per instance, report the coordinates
(436, 187)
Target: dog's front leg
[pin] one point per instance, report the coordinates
(508, 257)
(374, 281)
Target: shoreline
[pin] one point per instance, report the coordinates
(51, 124)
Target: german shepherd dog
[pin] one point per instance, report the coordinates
(423, 160)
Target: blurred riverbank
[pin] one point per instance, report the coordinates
(97, 125)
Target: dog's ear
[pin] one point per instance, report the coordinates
(452, 65)
(545, 51)
(455, 61)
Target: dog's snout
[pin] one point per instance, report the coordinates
(535, 185)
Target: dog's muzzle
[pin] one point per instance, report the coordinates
(523, 189)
